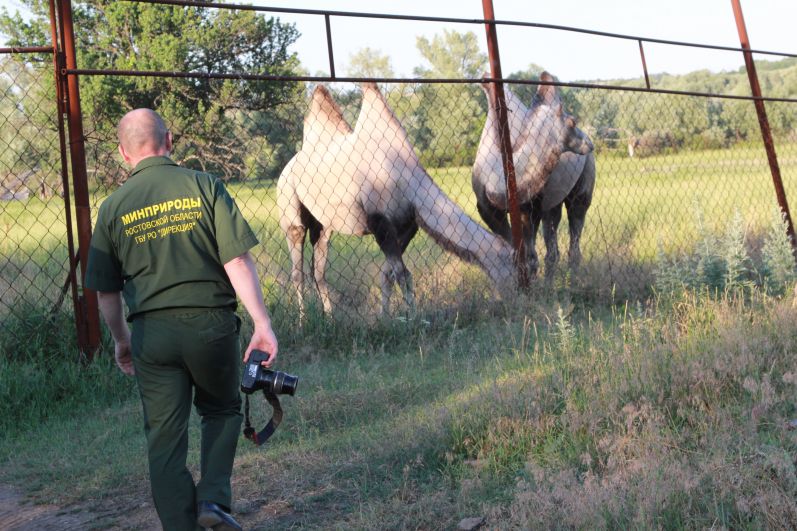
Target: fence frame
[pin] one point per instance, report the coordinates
(67, 75)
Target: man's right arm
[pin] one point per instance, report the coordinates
(243, 275)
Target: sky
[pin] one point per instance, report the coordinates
(569, 56)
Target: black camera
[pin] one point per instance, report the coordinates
(257, 377)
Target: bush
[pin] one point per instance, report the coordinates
(723, 262)
(655, 142)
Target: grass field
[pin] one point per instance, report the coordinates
(554, 410)
(641, 205)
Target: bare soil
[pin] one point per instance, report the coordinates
(126, 513)
(18, 513)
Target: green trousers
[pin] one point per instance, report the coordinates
(177, 353)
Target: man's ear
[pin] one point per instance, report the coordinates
(168, 142)
(124, 154)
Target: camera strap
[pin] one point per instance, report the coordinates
(263, 435)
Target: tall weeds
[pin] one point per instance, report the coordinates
(723, 262)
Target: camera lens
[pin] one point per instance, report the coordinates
(285, 383)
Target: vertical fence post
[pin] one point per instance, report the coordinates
(499, 101)
(329, 46)
(88, 318)
(763, 122)
(58, 63)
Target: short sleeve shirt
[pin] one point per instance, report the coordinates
(162, 239)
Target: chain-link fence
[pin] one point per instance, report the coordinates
(368, 170)
(34, 258)
(371, 198)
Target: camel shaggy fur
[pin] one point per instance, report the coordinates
(554, 165)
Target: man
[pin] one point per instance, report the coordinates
(172, 242)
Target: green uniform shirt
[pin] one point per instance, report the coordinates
(163, 237)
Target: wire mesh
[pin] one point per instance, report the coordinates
(668, 168)
(403, 183)
(34, 260)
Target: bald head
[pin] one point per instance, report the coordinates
(143, 134)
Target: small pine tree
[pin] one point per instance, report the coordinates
(669, 273)
(565, 333)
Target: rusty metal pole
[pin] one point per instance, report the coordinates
(499, 100)
(88, 317)
(58, 64)
(763, 122)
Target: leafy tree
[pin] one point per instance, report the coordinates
(368, 62)
(449, 117)
(210, 118)
(452, 55)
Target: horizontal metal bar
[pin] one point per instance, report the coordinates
(27, 49)
(451, 81)
(296, 11)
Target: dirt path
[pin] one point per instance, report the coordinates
(17, 514)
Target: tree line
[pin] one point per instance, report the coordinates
(241, 129)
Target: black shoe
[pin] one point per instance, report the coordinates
(210, 515)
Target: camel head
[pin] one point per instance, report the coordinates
(500, 266)
(548, 132)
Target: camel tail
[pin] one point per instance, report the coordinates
(456, 232)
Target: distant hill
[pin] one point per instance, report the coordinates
(654, 123)
(778, 79)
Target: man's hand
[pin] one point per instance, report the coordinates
(263, 338)
(112, 310)
(124, 357)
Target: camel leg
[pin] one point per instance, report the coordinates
(320, 240)
(531, 226)
(496, 220)
(295, 235)
(576, 215)
(550, 225)
(394, 269)
(577, 204)
(405, 234)
(314, 227)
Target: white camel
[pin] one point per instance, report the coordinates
(554, 165)
(369, 181)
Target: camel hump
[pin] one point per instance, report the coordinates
(370, 86)
(325, 119)
(376, 113)
(547, 94)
